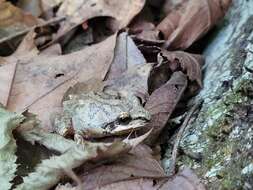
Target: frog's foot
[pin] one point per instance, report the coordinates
(78, 139)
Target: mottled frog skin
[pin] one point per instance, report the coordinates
(100, 114)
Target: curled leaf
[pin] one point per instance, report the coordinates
(171, 21)
(163, 101)
(191, 21)
(79, 11)
(187, 62)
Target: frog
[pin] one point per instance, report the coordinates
(93, 115)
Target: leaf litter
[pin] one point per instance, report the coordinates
(141, 67)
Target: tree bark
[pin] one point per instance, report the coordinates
(222, 130)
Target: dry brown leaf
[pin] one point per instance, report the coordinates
(129, 70)
(79, 11)
(49, 171)
(31, 6)
(171, 5)
(184, 180)
(138, 163)
(40, 82)
(126, 56)
(48, 4)
(14, 20)
(189, 63)
(170, 22)
(163, 101)
(6, 78)
(25, 51)
(191, 21)
(143, 27)
(52, 50)
(37, 7)
(134, 80)
(11, 15)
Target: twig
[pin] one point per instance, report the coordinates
(23, 32)
(179, 137)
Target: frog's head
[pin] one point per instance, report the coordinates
(131, 119)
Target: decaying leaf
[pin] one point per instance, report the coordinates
(138, 163)
(129, 70)
(170, 5)
(50, 171)
(8, 122)
(191, 21)
(79, 11)
(40, 82)
(38, 7)
(25, 51)
(136, 170)
(13, 19)
(13, 22)
(163, 101)
(47, 4)
(126, 56)
(134, 80)
(171, 21)
(33, 7)
(189, 63)
(184, 180)
(7, 73)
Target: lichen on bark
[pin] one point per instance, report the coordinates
(222, 131)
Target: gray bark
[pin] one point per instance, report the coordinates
(222, 130)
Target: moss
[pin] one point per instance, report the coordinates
(221, 151)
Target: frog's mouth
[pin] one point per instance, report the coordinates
(133, 125)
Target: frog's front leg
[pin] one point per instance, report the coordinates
(78, 138)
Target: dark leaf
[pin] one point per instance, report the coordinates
(163, 101)
(189, 63)
(191, 21)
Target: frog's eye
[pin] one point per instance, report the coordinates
(124, 117)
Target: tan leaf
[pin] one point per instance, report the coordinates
(47, 4)
(170, 22)
(163, 101)
(134, 80)
(138, 163)
(51, 170)
(135, 170)
(7, 73)
(25, 51)
(184, 180)
(78, 11)
(14, 20)
(40, 82)
(189, 63)
(11, 15)
(38, 7)
(126, 56)
(191, 21)
(31, 6)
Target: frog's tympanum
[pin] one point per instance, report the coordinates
(99, 114)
